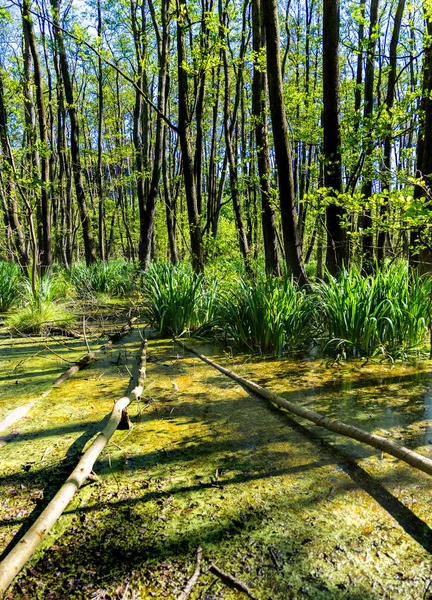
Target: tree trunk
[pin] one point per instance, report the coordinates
(368, 144)
(291, 238)
(336, 240)
(389, 103)
(184, 132)
(259, 90)
(45, 241)
(89, 244)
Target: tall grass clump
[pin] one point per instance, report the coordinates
(11, 282)
(43, 308)
(384, 313)
(176, 300)
(113, 278)
(271, 316)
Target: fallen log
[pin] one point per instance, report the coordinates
(27, 545)
(376, 441)
(83, 362)
(16, 415)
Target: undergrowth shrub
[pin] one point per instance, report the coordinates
(11, 282)
(177, 300)
(271, 315)
(114, 278)
(384, 313)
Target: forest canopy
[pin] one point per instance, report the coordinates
(285, 134)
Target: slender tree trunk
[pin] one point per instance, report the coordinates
(100, 173)
(366, 221)
(10, 188)
(229, 129)
(259, 89)
(89, 244)
(45, 241)
(184, 132)
(389, 102)
(291, 237)
(148, 214)
(336, 239)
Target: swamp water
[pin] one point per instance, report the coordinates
(291, 510)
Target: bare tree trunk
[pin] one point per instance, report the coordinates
(89, 244)
(184, 132)
(366, 221)
(45, 241)
(336, 240)
(291, 237)
(389, 102)
(259, 89)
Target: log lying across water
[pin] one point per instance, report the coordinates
(28, 544)
(376, 441)
(86, 360)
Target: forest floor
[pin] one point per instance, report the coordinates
(287, 509)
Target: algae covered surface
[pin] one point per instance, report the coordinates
(288, 509)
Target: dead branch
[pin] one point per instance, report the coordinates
(192, 581)
(81, 364)
(118, 335)
(25, 548)
(376, 441)
(231, 581)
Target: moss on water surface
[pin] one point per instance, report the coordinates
(291, 510)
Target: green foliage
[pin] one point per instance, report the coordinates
(115, 278)
(177, 300)
(42, 308)
(272, 315)
(385, 313)
(11, 282)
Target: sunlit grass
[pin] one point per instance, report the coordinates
(113, 278)
(270, 316)
(383, 313)
(11, 282)
(42, 309)
(176, 300)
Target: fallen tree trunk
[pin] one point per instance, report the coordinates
(376, 441)
(83, 362)
(26, 547)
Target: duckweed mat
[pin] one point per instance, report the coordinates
(290, 510)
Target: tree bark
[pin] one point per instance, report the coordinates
(259, 90)
(282, 146)
(336, 239)
(45, 256)
(368, 145)
(89, 243)
(184, 132)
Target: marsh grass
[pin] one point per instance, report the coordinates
(366, 315)
(42, 309)
(271, 316)
(112, 278)
(11, 284)
(176, 300)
